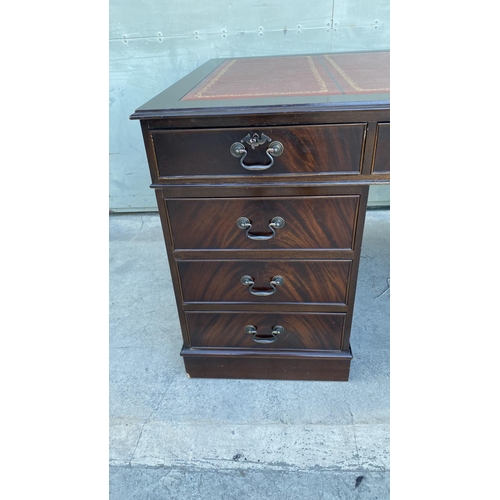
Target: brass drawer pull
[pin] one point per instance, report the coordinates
(248, 281)
(264, 338)
(276, 222)
(238, 150)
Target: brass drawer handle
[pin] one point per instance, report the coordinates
(276, 222)
(264, 338)
(276, 281)
(238, 150)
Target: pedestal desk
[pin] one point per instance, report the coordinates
(261, 168)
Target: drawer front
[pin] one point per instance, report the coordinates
(381, 155)
(306, 223)
(220, 281)
(306, 150)
(298, 331)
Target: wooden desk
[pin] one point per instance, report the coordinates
(261, 168)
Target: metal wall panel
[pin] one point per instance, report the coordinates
(153, 43)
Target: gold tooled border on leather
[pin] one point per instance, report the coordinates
(323, 88)
(349, 80)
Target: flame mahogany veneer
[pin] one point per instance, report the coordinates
(261, 168)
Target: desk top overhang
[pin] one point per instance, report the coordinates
(277, 84)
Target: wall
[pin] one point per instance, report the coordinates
(153, 43)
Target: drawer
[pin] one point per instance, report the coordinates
(305, 150)
(381, 154)
(304, 281)
(325, 222)
(255, 330)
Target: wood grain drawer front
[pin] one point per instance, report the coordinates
(300, 331)
(381, 155)
(220, 281)
(309, 223)
(306, 150)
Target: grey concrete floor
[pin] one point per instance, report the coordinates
(172, 437)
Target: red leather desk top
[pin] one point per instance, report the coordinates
(307, 75)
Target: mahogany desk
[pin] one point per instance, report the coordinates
(261, 168)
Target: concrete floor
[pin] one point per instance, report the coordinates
(172, 437)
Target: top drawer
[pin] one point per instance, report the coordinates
(268, 151)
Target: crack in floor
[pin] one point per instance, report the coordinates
(146, 422)
(353, 426)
